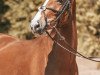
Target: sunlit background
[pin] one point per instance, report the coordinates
(15, 17)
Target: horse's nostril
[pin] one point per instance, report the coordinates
(37, 26)
(31, 28)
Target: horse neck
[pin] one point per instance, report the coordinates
(59, 59)
(69, 29)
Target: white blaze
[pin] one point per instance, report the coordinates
(45, 3)
(38, 15)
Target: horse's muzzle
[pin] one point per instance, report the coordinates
(36, 28)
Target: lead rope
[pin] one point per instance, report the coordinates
(74, 53)
(61, 45)
(62, 38)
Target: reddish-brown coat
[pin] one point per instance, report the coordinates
(30, 57)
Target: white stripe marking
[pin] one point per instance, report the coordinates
(38, 16)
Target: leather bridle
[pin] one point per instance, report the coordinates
(66, 7)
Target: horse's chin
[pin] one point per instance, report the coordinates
(38, 32)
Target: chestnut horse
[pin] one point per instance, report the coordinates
(24, 57)
(42, 56)
(52, 17)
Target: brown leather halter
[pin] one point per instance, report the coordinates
(66, 6)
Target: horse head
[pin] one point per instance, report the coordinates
(48, 15)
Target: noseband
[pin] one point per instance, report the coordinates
(65, 7)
